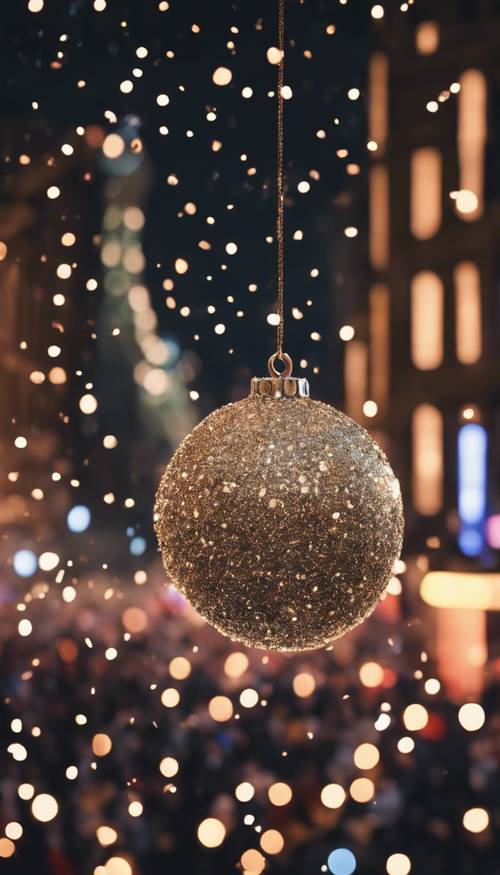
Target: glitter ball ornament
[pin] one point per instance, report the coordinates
(280, 519)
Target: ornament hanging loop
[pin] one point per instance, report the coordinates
(280, 357)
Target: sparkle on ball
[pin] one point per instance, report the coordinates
(244, 497)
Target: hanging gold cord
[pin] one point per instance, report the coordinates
(280, 180)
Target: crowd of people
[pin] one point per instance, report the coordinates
(123, 707)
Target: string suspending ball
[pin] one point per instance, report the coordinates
(279, 518)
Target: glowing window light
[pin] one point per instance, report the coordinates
(378, 108)
(25, 563)
(425, 192)
(468, 312)
(454, 589)
(341, 861)
(427, 320)
(380, 344)
(355, 376)
(427, 38)
(78, 518)
(472, 487)
(472, 132)
(427, 441)
(379, 217)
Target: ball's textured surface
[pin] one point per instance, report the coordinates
(280, 521)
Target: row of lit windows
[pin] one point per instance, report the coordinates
(427, 317)
(426, 190)
(427, 302)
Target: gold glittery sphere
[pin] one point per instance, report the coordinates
(280, 520)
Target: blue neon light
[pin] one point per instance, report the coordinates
(472, 487)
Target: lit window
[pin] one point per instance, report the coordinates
(378, 78)
(427, 320)
(427, 439)
(472, 138)
(425, 196)
(355, 376)
(379, 216)
(380, 344)
(472, 453)
(427, 38)
(468, 312)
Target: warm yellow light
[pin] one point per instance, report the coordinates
(249, 698)
(170, 697)
(454, 589)
(101, 744)
(169, 767)
(252, 862)
(179, 668)
(272, 842)
(236, 664)
(427, 320)
(472, 133)
(279, 794)
(106, 835)
(378, 108)
(379, 217)
(244, 791)
(371, 674)
(398, 864)
(222, 76)
(468, 317)
(476, 819)
(427, 445)
(471, 716)
(333, 796)
(366, 756)
(415, 717)
(220, 709)
(425, 192)
(380, 321)
(44, 807)
(304, 684)
(427, 37)
(362, 790)
(211, 832)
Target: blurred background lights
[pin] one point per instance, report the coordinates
(48, 561)
(476, 820)
(222, 76)
(78, 518)
(244, 792)
(211, 832)
(398, 864)
(471, 716)
(279, 793)
(236, 664)
(44, 807)
(415, 717)
(137, 545)
(371, 674)
(366, 756)
(362, 789)
(169, 767)
(341, 861)
(333, 796)
(25, 563)
(220, 709)
(272, 842)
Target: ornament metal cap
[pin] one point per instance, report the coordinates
(280, 384)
